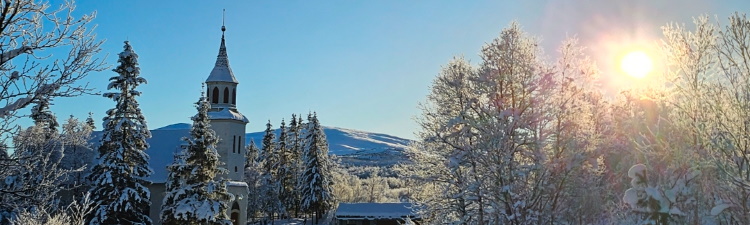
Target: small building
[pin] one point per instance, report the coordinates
(375, 213)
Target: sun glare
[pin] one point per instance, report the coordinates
(636, 64)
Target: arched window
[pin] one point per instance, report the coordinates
(234, 138)
(215, 95)
(226, 95)
(208, 93)
(234, 96)
(235, 215)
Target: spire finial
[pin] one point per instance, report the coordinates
(223, 15)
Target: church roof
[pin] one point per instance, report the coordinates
(163, 145)
(227, 114)
(222, 72)
(372, 211)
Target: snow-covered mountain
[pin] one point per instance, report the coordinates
(358, 148)
(341, 141)
(352, 146)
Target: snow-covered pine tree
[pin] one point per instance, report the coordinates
(198, 197)
(47, 121)
(253, 179)
(119, 178)
(4, 151)
(269, 186)
(295, 158)
(43, 117)
(268, 154)
(315, 183)
(90, 121)
(175, 180)
(287, 183)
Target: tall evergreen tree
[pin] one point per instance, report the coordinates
(295, 158)
(286, 169)
(175, 180)
(269, 185)
(90, 121)
(268, 154)
(119, 178)
(43, 117)
(195, 196)
(4, 151)
(253, 179)
(316, 182)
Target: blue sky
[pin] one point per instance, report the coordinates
(362, 65)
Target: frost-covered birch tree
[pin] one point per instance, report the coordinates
(118, 180)
(32, 178)
(196, 195)
(44, 163)
(510, 141)
(78, 156)
(28, 74)
(712, 73)
(439, 159)
(509, 150)
(571, 128)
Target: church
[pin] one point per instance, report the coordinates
(229, 125)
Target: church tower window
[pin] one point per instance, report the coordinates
(226, 95)
(239, 145)
(234, 96)
(215, 95)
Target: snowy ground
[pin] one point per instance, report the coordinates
(327, 219)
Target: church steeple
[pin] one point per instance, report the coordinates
(222, 85)
(222, 72)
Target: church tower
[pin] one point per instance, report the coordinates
(228, 123)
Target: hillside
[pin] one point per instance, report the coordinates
(357, 148)
(353, 147)
(341, 141)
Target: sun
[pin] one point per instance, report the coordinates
(636, 64)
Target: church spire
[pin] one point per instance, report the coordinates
(222, 59)
(222, 72)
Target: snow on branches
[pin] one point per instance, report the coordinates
(194, 192)
(119, 178)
